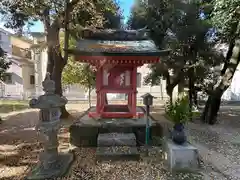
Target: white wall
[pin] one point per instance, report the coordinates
(40, 65)
(20, 69)
(158, 91)
(27, 71)
(14, 89)
(233, 92)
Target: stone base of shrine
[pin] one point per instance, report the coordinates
(84, 132)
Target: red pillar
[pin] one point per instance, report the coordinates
(134, 93)
(99, 80)
(130, 102)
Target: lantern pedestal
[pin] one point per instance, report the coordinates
(51, 163)
(57, 169)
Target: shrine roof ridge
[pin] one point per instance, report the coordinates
(116, 34)
(159, 53)
(145, 46)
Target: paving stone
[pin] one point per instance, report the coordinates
(116, 139)
(117, 153)
(236, 140)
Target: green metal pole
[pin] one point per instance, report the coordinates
(147, 126)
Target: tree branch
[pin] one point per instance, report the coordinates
(66, 26)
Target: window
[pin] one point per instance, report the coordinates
(32, 79)
(8, 78)
(139, 79)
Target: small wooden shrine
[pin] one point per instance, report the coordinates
(116, 54)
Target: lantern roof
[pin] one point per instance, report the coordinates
(117, 43)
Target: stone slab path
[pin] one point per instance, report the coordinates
(219, 144)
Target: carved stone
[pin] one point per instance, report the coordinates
(51, 163)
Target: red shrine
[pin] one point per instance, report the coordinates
(116, 54)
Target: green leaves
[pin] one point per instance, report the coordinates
(178, 111)
(4, 65)
(87, 13)
(225, 17)
(177, 25)
(78, 73)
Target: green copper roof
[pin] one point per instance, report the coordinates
(117, 46)
(117, 42)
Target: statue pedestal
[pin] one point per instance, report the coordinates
(181, 157)
(57, 169)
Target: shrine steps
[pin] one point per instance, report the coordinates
(117, 153)
(117, 146)
(116, 139)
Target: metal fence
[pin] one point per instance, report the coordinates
(76, 93)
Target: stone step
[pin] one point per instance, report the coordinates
(116, 153)
(116, 139)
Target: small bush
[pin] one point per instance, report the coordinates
(178, 111)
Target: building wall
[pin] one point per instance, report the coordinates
(159, 91)
(40, 58)
(44, 57)
(15, 87)
(27, 72)
(19, 42)
(233, 92)
(20, 69)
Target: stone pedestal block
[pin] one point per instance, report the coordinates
(181, 157)
(116, 139)
(116, 153)
(57, 169)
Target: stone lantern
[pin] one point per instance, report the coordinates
(51, 163)
(147, 101)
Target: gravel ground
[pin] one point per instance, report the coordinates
(20, 146)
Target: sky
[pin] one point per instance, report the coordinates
(125, 6)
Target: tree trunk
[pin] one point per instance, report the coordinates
(56, 63)
(212, 105)
(169, 89)
(171, 84)
(211, 110)
(195, 97)
(161, 89)
(57, 77)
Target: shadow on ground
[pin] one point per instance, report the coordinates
(20, 144)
